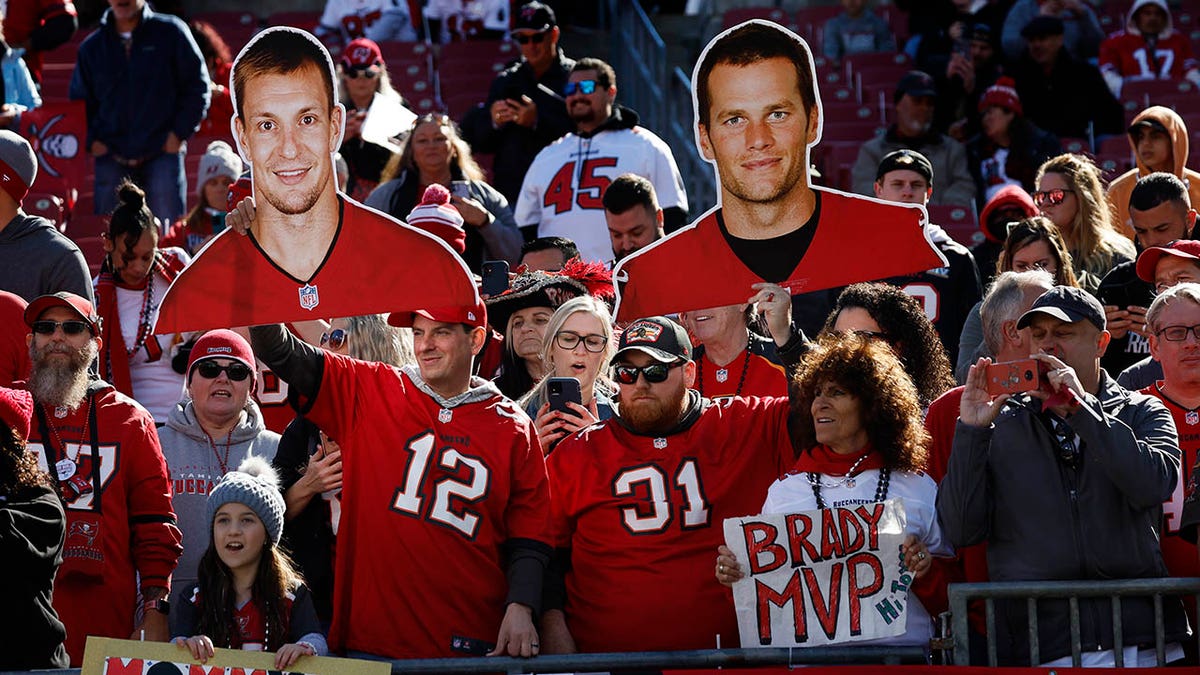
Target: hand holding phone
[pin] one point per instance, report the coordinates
(563, 390)
(1012, 377)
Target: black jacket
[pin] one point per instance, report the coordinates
(1064, 101)
(515, 146)
(32, 526)
(1122, 287)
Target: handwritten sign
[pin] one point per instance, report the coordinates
(820, 577)
(105, 656)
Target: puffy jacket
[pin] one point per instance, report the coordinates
(1045, 521)
(135, 100)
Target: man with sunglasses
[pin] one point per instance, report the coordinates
(524, 111)
(208, 434)
(442, 540)
(640, 498)
(1174, 323)
(309, 251)
(102, 449)
(564, 188)
(1065, 482)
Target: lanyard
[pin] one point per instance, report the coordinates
(61, 453)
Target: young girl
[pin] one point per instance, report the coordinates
(248, 597)
(219, 168)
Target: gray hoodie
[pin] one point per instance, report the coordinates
(36, 259)
(195, 464)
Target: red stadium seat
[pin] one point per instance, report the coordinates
(49, 206)
(880, 59)
(1113, 165)
(958, 221)
(1152, 92)
(93, 251)
(1076, 145)
(817, 16)
(733, 17)
(1114, 145)
(837, 161)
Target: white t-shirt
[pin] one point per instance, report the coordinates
(563, 188)
(793, 493)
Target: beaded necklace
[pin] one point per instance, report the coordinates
(68, 469)
(881, 488)
(145, 324)
(223, 462)
(741, 380)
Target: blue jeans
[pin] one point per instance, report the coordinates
(162, 178)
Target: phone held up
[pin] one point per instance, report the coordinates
(495, 277)
(1013, 377)
(563, 390)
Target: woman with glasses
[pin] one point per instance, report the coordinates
(1070, 193)
(578, 344)
(133, 279)
(375, 115)
(209, 433)
(434, 152)
(858, 418)
(309, 463)
(884, 312)
(1032, 244)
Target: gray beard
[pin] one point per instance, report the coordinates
(61, 384)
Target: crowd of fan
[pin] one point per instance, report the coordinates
(190, 487)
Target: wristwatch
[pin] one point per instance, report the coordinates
(161, 605)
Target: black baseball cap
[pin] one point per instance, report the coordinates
(661, 338)
(916, 83)
(1066, 303)
(905, 160)
(534, 16)
(1041, 26)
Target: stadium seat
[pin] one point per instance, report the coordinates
(1076, 145)
(306, 20)
(1152, 92)
(816, 16)
(49, 206)
(93, 251)
(733, 17)
(838, 162)
(958, 221)
(1114, 145)
(1113, 165)
(896, 60)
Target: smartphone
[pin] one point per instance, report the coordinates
(460, 189)
(1012, 377)
(1137, 293)
(495, 277)
(563, 390)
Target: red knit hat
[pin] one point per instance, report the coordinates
(221, 344)
(1002, 94)
(438, 217)
(16, 410)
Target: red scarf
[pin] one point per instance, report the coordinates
(823, 460)
(114, 361)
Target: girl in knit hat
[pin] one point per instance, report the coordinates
(220, 167)
(248, 597)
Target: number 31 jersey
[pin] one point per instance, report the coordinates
(429, 495)
(643, 516)
(563, 188)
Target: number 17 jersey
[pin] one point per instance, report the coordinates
(643, 516)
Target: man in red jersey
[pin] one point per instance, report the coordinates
(443, 540)
(757, 113)
(640, 499)
(1172, 319)
(310, 252)
(102, 448)
(732, 360)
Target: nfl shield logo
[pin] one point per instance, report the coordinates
(1192, 417)
(309, 298)
(660, 443)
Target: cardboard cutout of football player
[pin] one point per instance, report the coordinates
(758, 112)
(311, 251)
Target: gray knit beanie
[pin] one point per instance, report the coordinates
(255, 485)
(218, 160)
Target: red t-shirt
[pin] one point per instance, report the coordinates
(1178, 553)
(1126, 54)
(120, 521)
(857, 239)
(375, 264)
(763, 377)
(429, 495)
(643, 517)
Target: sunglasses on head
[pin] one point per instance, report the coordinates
(211, 370)
(334, 338)
(582, 86)
(535, 38)
(654, 373)
(68, 327)
(369, 72)
(1050, 197)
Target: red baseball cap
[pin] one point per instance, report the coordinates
(75, 303)
(221, 344)
(361, 53)
(1147, 262)
(474, 316)
(16, 410)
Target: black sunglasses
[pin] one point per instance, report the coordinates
(210, 370)
(68, 327)
(583, 86)
(536, 38)
(369, 72)
(654, 373)
(335, 338)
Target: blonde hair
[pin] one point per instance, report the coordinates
(1091, 238)
(589, 305)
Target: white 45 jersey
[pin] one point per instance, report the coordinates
(563, 188)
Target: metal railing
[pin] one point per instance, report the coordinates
(1032, 591)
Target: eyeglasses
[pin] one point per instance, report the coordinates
(582, 86)
(655, 372)
(211, 370)
(370, 72)
(335, 338)
(1050, 197)
(68, 327)
(569, 340)
(1179, 333)
(535, 38)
